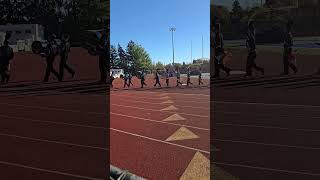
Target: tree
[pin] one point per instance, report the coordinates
(138, 57)
(114, 58)
(122, 58)
(159, 65)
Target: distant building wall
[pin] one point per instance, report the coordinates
(23, 34)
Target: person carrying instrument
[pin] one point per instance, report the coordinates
(50, 54)
(252, 55)
(64, 53)
(287, 51)
(157, 77)
(219, 53)
(6, 55)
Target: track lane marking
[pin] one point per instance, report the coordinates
(54, 142)
(133, 107)
(161, 122)
(266, 104)
(267, 127)
(160, 141)
(267, 144)
(48, 171)
(52, 122)
(266, 169)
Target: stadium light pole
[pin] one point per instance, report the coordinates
(172, 29)
(191, 51)
(202, 47)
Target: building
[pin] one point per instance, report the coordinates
(22, 35)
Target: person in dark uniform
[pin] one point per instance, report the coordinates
(64, 53)
(142, 78)
(219, 53)
(101, 50)
(287, 52)
(125, 79)
(130, 80)
(167, 77)
(6, 55)
(50, 54)
(112, 79)
(157, 77)
(178, 77)
(188, 77)
(200, 77)
(251, 46)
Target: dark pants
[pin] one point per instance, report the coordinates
(287, 64)
(188, 81)
(167, 82)
(178, 81)
(103, 69)
(200, 81)
(4, 73)
(130, 83)
(142, 82)
(111, 81)
(64, 65)
(125, 83)
(50, 69)
(219, 65)
(217, 68)
(157, 82)
(251, 63)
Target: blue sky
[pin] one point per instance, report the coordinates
(147, 22)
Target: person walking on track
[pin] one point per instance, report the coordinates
(64, 54)
(178, 77)
(188, 77)
(6, 55)
(287, 53)
(200, 77)
(51, 53)
(125, 79)
(130, 79)
(251, 46)
(112, 79)
(157, 77)
(142, 78)
(218, 46)
(167, 77)
(101, 51)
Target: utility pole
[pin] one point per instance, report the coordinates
(191, 51)
(172, 29)
(202, 47)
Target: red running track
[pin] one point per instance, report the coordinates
(138, 133)
(46, 130)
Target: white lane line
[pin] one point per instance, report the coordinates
(160, 141)
(268, 127)
(161, 122)
(129, 95)
(133, 107)
(267, 169)
(55, 142)
(53, 109)
(267, 144)
(267, 104)
(52, 122)
(48, 171)
(182, 106)
(166, 92)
